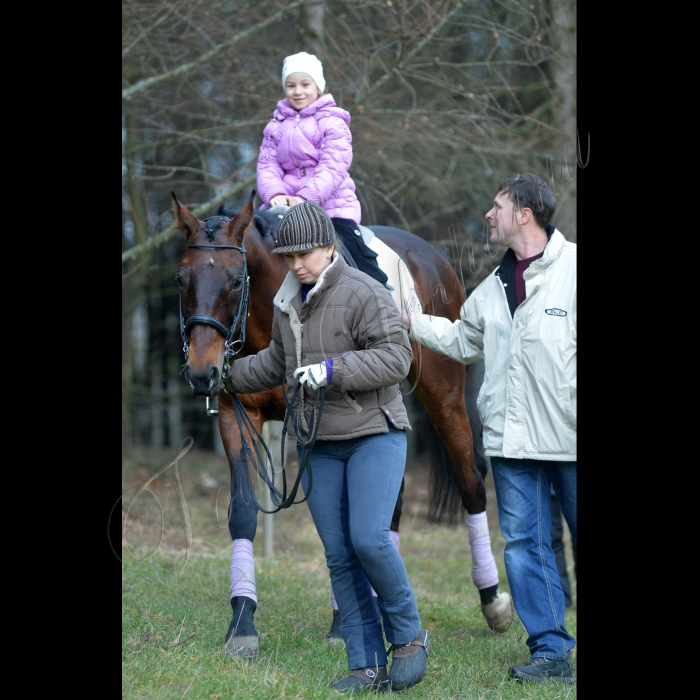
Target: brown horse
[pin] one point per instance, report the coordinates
(228, 278)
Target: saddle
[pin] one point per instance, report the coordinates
(400, 281)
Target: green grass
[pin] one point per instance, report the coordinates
(176, 610)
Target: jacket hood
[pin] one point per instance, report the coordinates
(325, 103)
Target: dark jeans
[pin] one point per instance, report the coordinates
(355, 486)
(523, 495)
(558, 547)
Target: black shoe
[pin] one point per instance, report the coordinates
(409, 662)
(370, 678)
(540, 670)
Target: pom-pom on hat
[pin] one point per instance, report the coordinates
(304, 63)
(303, 227)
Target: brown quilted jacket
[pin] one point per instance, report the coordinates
(352, 318)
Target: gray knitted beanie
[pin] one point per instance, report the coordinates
(303, 227)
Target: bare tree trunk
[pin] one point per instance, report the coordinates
(314, 35)
(564, 76)
(133, 284)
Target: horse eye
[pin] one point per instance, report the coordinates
(237, 284)
(179, 282)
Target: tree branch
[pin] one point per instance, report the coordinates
(184, 69)
(396, 70)
(163, 236)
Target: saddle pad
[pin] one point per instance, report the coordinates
(400, 278)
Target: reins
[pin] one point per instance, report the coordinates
(279, 499)
(245, 424)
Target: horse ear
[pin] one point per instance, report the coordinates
(238, 225)
(185, 221)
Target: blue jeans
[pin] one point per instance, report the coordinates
(523, 493)
(355, 484)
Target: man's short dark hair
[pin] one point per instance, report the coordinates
(529, 190)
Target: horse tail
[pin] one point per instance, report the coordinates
(445, 503)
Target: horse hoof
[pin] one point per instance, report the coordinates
(333, 636)
(246, 647)
(499, 614)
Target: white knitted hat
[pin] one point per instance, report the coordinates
(304, 63)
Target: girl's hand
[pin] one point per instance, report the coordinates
(295, 200)
(280, 200)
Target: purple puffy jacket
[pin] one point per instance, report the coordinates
(307, 154)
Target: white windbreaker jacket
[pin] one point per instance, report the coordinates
(527, 402)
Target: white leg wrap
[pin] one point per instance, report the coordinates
(242, 570)
(484, 572)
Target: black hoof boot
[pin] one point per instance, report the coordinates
(333, 636)
(242, 638)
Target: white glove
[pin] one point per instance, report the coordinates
(312, 375)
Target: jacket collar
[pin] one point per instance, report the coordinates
(552, 250)
(286, 111)
(506, 268)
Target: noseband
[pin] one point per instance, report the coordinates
(232, 345)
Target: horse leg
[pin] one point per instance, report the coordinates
(242, 639)
(333, 635)
(497, 610)
(446, 407)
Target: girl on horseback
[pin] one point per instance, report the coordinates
(306, 153)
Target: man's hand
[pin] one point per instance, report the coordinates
(313, 376)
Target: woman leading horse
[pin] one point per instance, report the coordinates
(228, 278)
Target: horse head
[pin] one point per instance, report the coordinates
(214, 293)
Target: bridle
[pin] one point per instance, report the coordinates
(232, 345)
(280, 499)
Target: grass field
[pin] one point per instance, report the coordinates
(175, 609)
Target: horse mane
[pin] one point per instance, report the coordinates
(263, 226)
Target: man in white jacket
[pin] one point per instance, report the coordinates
(521, 320)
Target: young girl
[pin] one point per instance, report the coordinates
(353, 343)
(305, 156)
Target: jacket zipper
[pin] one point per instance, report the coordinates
(503, 289)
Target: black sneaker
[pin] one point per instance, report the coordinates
(540, 670)
(370, 678)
